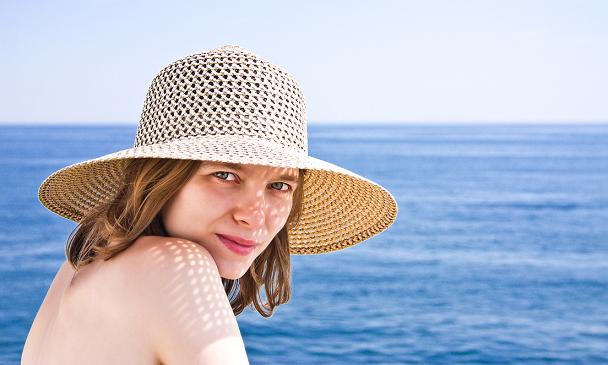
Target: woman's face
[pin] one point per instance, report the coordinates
(247, 201)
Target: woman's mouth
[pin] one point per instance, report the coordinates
(235, 247)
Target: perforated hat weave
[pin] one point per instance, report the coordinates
(231, 105)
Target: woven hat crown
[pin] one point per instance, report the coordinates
(226, 91)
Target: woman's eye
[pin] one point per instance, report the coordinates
(223, 172)
(285, 185)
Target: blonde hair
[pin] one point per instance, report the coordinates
(148, 183)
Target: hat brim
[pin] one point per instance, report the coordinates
(340, 208)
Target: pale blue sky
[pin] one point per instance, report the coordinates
(411, 61)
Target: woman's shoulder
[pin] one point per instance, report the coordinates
(161, 252)
(144, 276)
(177, 291)
(168, 250)
(156, 261)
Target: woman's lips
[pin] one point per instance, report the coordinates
(235, 247)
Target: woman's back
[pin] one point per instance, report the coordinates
(160, 301)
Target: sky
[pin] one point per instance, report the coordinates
(356, 61)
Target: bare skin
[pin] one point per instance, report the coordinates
(253, 203)
(161, 301)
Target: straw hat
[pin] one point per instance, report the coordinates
(231, 105)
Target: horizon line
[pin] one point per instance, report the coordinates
(350, 122)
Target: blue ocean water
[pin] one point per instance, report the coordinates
(499, 254)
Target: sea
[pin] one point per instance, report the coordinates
(498, 255)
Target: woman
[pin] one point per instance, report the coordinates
(178, 234)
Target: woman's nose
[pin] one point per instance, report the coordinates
(251, 209)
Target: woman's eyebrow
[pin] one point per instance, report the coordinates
(239, 167)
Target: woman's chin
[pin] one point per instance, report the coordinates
(232, 274)
(232, 277)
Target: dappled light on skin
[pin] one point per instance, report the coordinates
(160, 301)
(163, 297)
(244, 200)
(194, 295)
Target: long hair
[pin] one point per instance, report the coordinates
(148, 183)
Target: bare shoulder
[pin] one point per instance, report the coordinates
(182, 304)
(157, 252)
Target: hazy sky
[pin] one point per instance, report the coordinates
(411, 61)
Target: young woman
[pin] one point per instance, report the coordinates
(178, 235)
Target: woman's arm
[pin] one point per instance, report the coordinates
(185, 310)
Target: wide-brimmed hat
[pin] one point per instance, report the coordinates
(231, 105)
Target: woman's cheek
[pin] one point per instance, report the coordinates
(281, 213)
